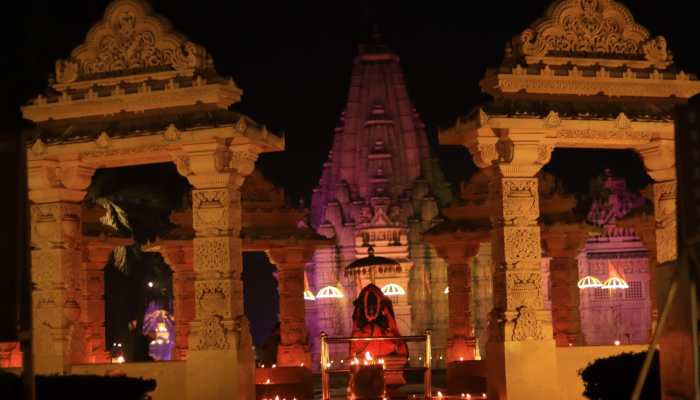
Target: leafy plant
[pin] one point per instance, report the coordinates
(613, 378)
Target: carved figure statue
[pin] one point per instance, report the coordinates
(374, 317)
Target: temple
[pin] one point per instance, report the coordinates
(380, 187)
(510, 287)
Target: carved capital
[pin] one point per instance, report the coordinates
(523, 154)
(659, 159)
(53, 181)
(290, 257)
(564, 241)
(457, 248)
(56, 225)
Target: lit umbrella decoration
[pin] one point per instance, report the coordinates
(162, 323)
(614, 281)
(393, 289)
(329, 292)
(589, 282)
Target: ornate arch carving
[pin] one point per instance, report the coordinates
(130, 38)
(601, 29)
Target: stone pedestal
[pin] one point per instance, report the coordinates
(59, 336)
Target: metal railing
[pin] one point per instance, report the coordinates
(325, 359)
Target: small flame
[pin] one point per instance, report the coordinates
(368, 356)
(120, 360)
(439, 394)
(267, 382)
(274, 365)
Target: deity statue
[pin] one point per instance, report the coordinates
(374, 317)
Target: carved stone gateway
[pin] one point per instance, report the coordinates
(137, 92)
(626, 87)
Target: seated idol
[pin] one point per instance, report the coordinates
(374, 317)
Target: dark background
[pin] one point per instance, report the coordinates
(293, 61)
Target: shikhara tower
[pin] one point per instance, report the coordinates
(381, 187)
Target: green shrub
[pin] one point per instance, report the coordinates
(613, 378)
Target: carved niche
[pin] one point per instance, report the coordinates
(591, 29)
(130, 37)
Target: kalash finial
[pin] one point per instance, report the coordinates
(370, 251)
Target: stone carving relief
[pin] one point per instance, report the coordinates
(666, 223)
(620, 134)
(130, 38)
(213, 298)
(171, 133)
(55, 225)
(212, 211)
(211, 255)
(211, 334)
(592, 28)
(103, 141)
(526, 326)
(523, 289)
(521, 244)
(552, 120)
(520, 201)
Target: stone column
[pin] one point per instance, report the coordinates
(675, 361)
(293, 349)
(55, 191)
(220, 359)
(96, 255)
(518, 325)
(459, 256)
(179, 258)
(563, 244)
(646, 230)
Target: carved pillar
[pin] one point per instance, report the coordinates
(220, 360)
(179, 258)
(646, 230)
(459, 256)
(96, 255)
(675, 361)
(293, 349)
(518, 323)
(563, 244)
(56, 190)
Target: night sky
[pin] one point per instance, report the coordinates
(293, 61)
